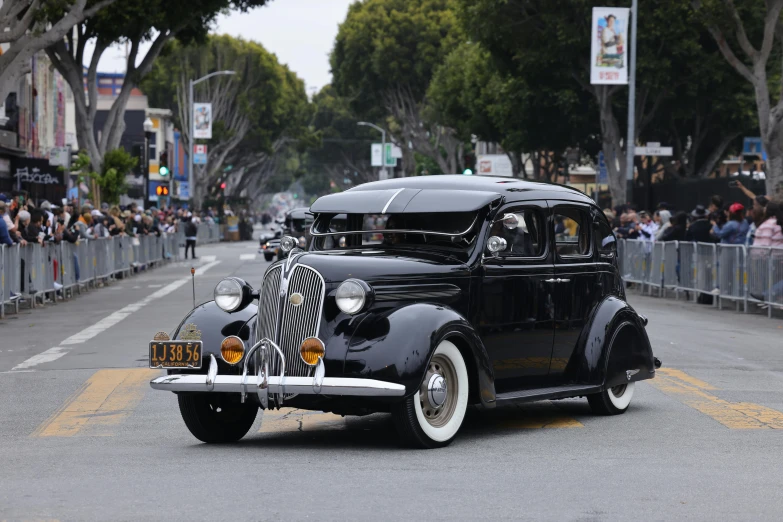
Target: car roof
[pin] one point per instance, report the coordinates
(512, 189)
(300, 213)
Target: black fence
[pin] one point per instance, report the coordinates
(686, 194)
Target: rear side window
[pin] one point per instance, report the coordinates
(605, 240)
(523, 230)
(572, 232)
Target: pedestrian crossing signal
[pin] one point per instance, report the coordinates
(162, 190)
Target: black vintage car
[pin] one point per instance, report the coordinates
(431, 294)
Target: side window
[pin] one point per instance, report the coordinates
(605, 240)
(572, 232)
(523, 231)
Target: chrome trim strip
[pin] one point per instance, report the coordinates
(390, 200)
(396, 231)
(211, 373)
(339, 386)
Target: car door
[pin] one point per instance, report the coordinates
(516, 302)
(578, 284)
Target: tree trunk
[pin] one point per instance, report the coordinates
(610, 144)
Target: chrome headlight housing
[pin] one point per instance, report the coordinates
(232, 294)
(353, 296)
(288, 243)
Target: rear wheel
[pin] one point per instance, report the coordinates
(432, 416)
(215, 418)
(612, 401)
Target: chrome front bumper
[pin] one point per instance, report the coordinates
(276, 385)
(279, 386)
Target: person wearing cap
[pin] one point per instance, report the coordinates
(700, 228)
(736, 228)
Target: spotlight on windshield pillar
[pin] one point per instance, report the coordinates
(467, 172)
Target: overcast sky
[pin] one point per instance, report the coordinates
(300, 32)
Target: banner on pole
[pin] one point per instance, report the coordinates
(202, 121)
(199, 154)
(608, 46)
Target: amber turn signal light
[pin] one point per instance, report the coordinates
(312, 348)
(232, 349)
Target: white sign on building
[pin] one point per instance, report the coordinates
(494, 165)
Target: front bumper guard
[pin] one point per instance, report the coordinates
(277, 386)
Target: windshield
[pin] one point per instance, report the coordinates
(450, 231)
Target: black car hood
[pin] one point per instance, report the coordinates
(379, 265)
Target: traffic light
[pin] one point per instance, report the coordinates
(162, 190)
(163, 161)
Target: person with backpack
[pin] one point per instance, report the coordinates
(191, 231)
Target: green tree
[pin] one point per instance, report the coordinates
(251, 110)
(135, 23)
(383, 59)
(747, 36)
(546, 42)
(109, 184)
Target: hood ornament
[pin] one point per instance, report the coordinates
(190, 332)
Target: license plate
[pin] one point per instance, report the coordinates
(175, 354)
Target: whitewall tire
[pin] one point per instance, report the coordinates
(432, 416)
(612, 401)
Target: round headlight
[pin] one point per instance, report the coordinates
(288, 243)
(228, 294)
(351, 296)
(232, 349)
(311, 349)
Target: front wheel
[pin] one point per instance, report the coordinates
(215, 418)
(612, 401)
(432, 416)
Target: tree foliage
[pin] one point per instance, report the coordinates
(134, 22)
(383, 60)
(252, 110)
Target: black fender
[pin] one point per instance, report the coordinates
(397, 345)
(215, 325)
(613, 345)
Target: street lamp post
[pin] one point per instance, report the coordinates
(383, 144)
(148, 135)
(191, 83)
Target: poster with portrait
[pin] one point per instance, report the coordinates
(609, 47)
(202, 121)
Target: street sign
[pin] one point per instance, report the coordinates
(60, 156)
(603, 173)
(376, 155)
(753, 147)
(389, 159)
(199, 154)
(184, 190)
(396, 152)
(654, 151)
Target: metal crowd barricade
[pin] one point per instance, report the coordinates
(33, 272)
(656, 279)
(637, 265)
(68, 267)
(85, 259)
(688, 268)
(671, 265)
(731, 273)
(775, 293)
(706, 266)
(11, 277)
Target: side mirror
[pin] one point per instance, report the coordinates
(510, 221)
(496, 244)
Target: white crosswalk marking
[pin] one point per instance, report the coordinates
(247, 257)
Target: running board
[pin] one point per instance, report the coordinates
(540, 394)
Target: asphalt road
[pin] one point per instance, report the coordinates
(83, 437)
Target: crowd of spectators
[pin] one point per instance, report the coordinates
(24, 222)
(719, 222)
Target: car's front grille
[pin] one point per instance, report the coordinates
(269, 304)
(298, 322)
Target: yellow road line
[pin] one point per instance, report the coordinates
(733, 415)
(102, 403)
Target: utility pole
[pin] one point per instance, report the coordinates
(383, 144)
(630, 144)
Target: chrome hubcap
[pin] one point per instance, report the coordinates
(438, 393)
(437, 390)
(618, 391)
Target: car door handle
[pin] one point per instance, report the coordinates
(557, 280)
